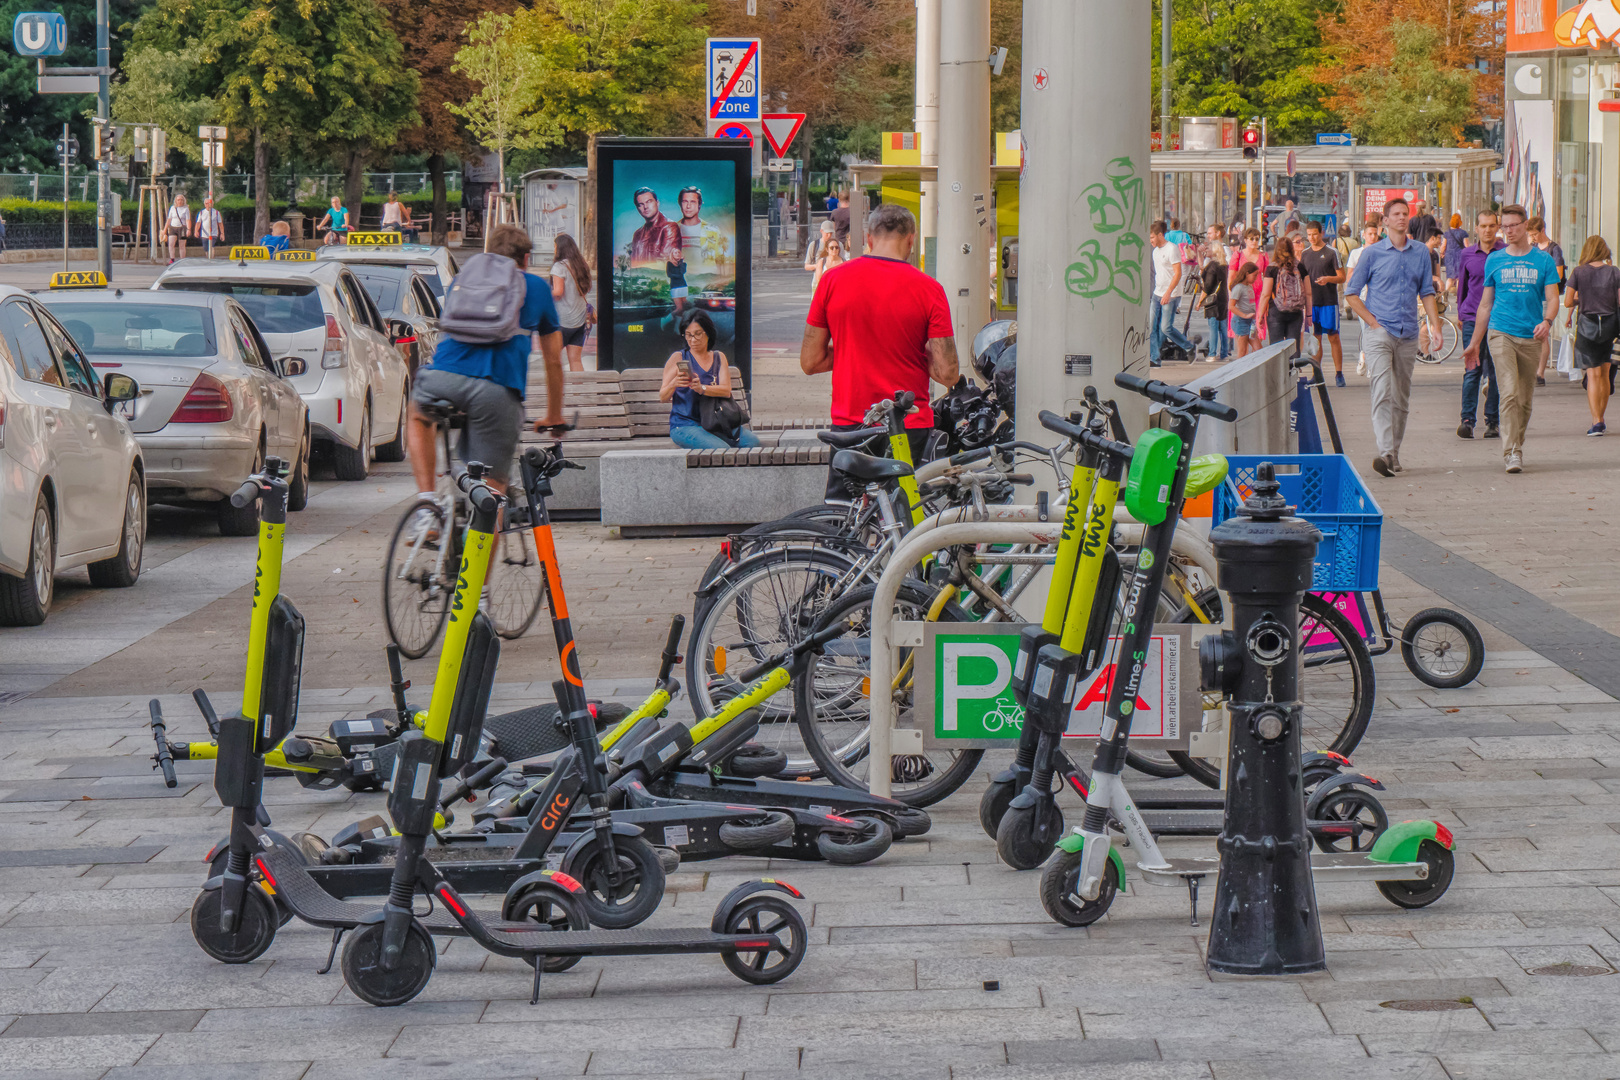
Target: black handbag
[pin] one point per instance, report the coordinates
(721, 416)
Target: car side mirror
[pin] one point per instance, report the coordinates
(118, 388)
(401, 332)
(289, 367)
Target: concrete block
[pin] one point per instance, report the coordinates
(654, 488)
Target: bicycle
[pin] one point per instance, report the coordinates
(1450, 338)
(424, 558)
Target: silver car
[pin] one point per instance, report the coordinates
(354, 378)
(404, 294)
(434, 260)
(214, 401)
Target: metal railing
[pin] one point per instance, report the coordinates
(47, 186)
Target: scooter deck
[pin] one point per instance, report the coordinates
(1331, 866)
(635, 942)
(701, 785)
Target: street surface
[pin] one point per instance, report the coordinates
(99, 863)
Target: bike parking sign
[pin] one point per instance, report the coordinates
(964, 680)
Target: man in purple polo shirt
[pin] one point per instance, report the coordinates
(1470, 287)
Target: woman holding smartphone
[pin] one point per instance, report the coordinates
(698, 370)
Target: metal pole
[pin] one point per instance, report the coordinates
(1261, 224)
(65, 160)
(1086, 318)
(925, 120)
(103, 165)
(1164, 75)
(962, 251)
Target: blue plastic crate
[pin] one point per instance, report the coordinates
(1328, 493)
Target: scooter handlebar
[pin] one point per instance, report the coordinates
(479, 779)
(1175, 396)
(160, 734)
(1056, 424)
(672, 648)
(246, 495)
(482, 497)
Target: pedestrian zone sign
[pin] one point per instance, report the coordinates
(734, 79)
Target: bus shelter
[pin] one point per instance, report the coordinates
(1332, 184)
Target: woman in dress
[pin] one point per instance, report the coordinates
(1594, 292)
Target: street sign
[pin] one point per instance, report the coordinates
(39, 33)
(1334, 138)
(734, 129)
(211, 131)
(780, 130)
(779, 164)
(69, 84)
(734, 79)
(213, 154)
(1292, 162)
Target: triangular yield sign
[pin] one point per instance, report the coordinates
(780, 128)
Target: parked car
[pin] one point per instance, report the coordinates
(72, 476)
(404, 294)
(354, 380)
(432, 259)
(214, 402)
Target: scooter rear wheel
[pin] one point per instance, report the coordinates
(1443, 648)
(1350, 805)
(757, 831)
(1059, 881)
(549, 907)
(1416, 894)
(362, 965)
(1016, 842)
(872, 839)
(767, 916)
(993, 805)
(634, 898)
(254, 933)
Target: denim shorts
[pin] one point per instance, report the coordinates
(1242, 327)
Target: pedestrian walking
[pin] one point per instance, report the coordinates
(1242, 304)
(1537, 227)
(1166, 298)
(1369, 237)
(1212, 294)
(570, 285)
(1397, 274)
(1470, 287)
(1456, 241)
(1594, 293)
(209, 226)
(1344, 243)
(826, 253)
(1285, 296)
(1215, 244)
(176, 227)
(1423, 224)
(1287, 221)
(1327, 273)
(1427, 344)
(1518, 305)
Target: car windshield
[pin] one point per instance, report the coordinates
(280, 308)
(142, 328)
(383, 283)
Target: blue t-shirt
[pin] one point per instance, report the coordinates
(340, 217)
(274, 243)
(1520, 283)
(507, 363)
(1394, 279)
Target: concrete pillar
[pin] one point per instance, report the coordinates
(1083, 253)
(925, 119)
(966, 219)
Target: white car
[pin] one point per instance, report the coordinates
(72, 478)
(433, 260)
(355, 379)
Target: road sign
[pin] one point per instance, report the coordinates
(734, 129)
(69, 84)
(734, 79)
(1292, 162)
(1334, 138)
(779, 164)
(39, 33)
(211, 131)
(213, 154)
(780, 130)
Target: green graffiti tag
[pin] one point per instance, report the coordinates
(1117, 208)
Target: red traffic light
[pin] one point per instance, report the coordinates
(1251, 142)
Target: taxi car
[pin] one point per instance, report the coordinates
(389, 249)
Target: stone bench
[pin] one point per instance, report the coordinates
(708, 492)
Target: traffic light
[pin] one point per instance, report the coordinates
(1251, 142)
(106, 141)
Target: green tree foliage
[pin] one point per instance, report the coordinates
(1247, 57)
(156, 88)
(1414, 100)
(501, 114)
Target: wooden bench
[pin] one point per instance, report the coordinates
(648, 415)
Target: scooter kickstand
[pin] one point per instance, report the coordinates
(1192, 881)
(337, 936)
(539, 966)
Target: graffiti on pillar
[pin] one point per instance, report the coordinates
(1112, 262)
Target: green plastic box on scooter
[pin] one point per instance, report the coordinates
(1152, 475)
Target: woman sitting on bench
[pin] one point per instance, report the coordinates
(700, 371)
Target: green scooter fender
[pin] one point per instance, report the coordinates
(1400, 843)
(1074, 843)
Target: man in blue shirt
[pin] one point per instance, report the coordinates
(1470, 275)
(1397, 274)
(488, 382)
(1519, 301)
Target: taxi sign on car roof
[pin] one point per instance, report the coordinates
(78, 279)
(294, 255)
(249, 251)
(375, 239)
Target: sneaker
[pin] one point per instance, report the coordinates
(1361, 367)
(1515, 462)
(1338, 379)
(1596, 429)
(1491, 431)
(1540, 382)
(1381, 467)
(1155, 363)
(424, 526)
(1465, 430)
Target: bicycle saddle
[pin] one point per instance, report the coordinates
(868, 468)
(439, 409)
(849, 440)
(1205, 473)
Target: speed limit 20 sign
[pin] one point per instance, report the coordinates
(734, 79)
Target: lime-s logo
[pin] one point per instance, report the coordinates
(1145, 559)
(954, 691)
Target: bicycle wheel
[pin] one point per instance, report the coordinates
(835, 711)
(1450, 340)
(766, 604)
(419, 579)
(517, 582)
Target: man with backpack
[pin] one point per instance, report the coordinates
(481, 363)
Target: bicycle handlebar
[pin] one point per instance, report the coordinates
(1177, 397)
(481, 778)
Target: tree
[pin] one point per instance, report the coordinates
(365, 94)
(155, 88)
(501, 115)
(628, 66)
(1413, 100)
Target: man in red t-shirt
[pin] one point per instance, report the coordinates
(889, 324)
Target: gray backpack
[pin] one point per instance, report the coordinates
(485, 303)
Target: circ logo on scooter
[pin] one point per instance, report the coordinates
(554, 813)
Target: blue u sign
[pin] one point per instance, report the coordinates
(39, 33)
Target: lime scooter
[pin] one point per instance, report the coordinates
(1411, 863)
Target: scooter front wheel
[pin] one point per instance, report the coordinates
(768, 917)
(993, 805)
(362, 965)
(1416, 894)
(860, 845)
(254, 931)
(1060, 882)
(634, 897)
(1016, 841)
(1443, 648)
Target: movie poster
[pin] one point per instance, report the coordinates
(669, 212)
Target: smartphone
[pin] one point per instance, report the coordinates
(684, 368)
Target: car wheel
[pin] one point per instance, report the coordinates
(122, 570)
(354, 463)
(25, 600)
(298, 483)
(394, 449)
(244, 521)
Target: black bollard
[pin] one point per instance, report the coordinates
(1265, 921)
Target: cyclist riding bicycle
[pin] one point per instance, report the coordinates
(481, 364)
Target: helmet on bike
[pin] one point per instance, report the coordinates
(989, 343)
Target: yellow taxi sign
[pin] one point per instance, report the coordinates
(249, 251)
(294, 255)
(78, 279)
(375, 239)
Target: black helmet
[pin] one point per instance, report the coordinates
(989, 343)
